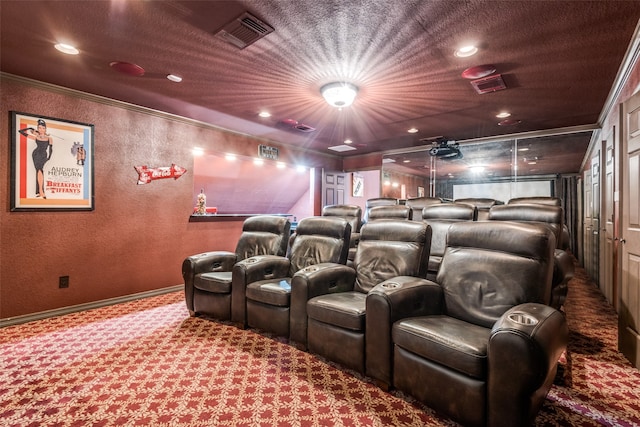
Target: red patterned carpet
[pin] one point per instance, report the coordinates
(148, 363)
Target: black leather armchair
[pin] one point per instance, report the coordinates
(479, 345)
(261, 288)
(207, 276)
(440, 217)
(336, 307)
(353, 214)
(552, 217)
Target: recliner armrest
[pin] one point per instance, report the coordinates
(211, 261)
(253, 269)
(319, 279)
(388, 302)
(523, 351)
(203, 263)
(355, 239)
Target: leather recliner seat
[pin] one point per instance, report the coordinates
(479, 344)
(261, 285)
(207, 276)
(336, 306)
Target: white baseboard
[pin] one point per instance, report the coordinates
(10, 321)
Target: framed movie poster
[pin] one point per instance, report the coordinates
(51, 164)
(358, 185)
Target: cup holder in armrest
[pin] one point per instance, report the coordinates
(310, 269)
(390, 285)
(523, 319)
(250, 260)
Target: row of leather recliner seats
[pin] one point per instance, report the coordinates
(460, 314)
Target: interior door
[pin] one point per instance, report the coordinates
(595, 216)
(333, 187)
(587, 229)
(629, 309)
(608, 263)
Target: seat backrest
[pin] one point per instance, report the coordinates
(378, 201)
(537, 200)
(550, 215)
(389, 212)
(263, 235)
(352, 213)
(440, 217)
(420, 203)
(565, 239)
(319, 239)
(482, 204)
(491, 266)
(390, 248)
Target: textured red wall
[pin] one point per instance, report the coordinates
(138, 235)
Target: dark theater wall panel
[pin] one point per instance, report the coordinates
(137, 236)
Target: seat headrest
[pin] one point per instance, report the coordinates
(421, 202)
(523, 239)
(267, 224)
(453, 211)
(525, 212)
(394, 230)
(329, 226)
(342, 210)
(389, 212)
(381, 201)
(540, 200)
(480, 203)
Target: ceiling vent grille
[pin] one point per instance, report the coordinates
(304, 128)
(244, 30)
(291, 124)
(489, 84)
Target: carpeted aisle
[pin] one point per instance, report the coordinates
(148, 363)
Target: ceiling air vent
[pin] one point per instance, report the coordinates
(291, 124)
(489, 84)
(244, 30)
(304, 128)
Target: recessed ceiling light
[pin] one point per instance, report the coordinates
(406, 161)
(466, 51)
(413, 130)
(503, 115)
(174, 78)
(348, 141)
(67, 48)
(264, 114)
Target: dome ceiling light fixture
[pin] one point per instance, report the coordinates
(339, 94)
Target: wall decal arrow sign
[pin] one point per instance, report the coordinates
(147, 174)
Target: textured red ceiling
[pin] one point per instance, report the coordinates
(558, 59)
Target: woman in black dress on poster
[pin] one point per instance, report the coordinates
(43, 141)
